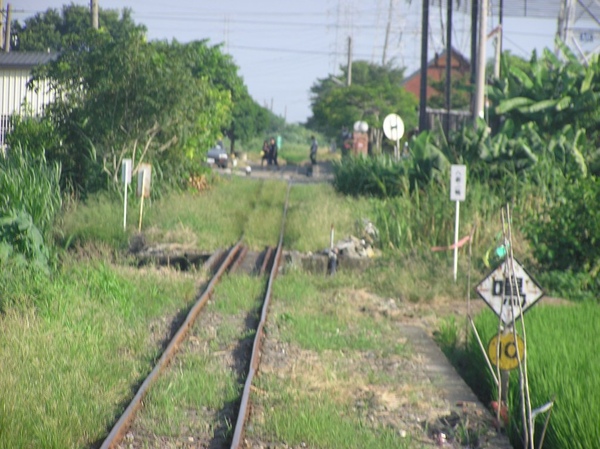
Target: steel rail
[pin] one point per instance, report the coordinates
(258, 339)
(122, 425)
(240, 259)
(265, 262)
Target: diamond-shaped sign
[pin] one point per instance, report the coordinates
(509, 297)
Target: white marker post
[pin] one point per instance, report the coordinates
(458, 188)
(143, 188)
(126, 177)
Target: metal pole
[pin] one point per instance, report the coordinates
(478, 111)
(448, 87)
(349, 68)
(387, 33)
(474, 15)
(1, 24)
(423, 86)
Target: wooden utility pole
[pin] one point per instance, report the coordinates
(349, 74)
(387, 33)
(94, 10)
(423, 86)
(7, 34)
(478, 111)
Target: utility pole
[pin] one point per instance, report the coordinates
(448, 87)
(7, 34)
(94, 10)
(349, 69)
(474, 16)
(480, 81)
(387, 33)
(423, 86)
(1, 24)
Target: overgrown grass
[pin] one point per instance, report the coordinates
(72, 347)
(314, 208)
(99, 220)
(209, 220)
(319, 420)
(29, 183)
(314, 405)
(198, 378)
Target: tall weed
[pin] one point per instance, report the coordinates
(29, 183)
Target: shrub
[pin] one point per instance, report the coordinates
(566, 233)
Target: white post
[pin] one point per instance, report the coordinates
(126, 177)
(125, 207)
(456, 222)
(458, 187)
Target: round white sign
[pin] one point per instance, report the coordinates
(393, 127)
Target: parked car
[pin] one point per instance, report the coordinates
(217, 156)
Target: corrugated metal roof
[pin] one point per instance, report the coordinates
(25, 59)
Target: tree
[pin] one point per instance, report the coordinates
(376, 91)
(54, 30)
(119, 96)
(248, 118)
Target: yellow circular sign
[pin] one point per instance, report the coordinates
(505, 354)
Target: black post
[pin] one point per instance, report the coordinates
(448, 87)
(423, 87)
(474, 21)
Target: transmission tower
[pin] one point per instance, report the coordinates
(579, 26)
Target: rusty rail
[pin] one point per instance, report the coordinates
(119, 429)
(239, 260)
(266, 260)
(258, 339)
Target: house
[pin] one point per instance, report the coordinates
(15, 97)
(436, 71)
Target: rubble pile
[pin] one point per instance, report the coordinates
(357, 247)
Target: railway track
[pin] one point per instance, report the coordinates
(222, 426)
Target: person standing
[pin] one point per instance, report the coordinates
(265, 153)
(314, 146)
(273, 152)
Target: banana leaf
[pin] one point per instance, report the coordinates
(522, 77)
(539, 106)
(512, 103)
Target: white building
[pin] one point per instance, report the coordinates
(15, 97)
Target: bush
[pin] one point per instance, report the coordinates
(565, 235)
(21, 241)
(30, 198)
(379, 176)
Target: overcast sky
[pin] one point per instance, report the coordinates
(283, 47)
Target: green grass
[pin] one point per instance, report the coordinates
(59, 334)
(212, 219)
(319, 420)
(217, 218)
(313, 209)
(199, 379)
(315, 403)
(73, 348)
